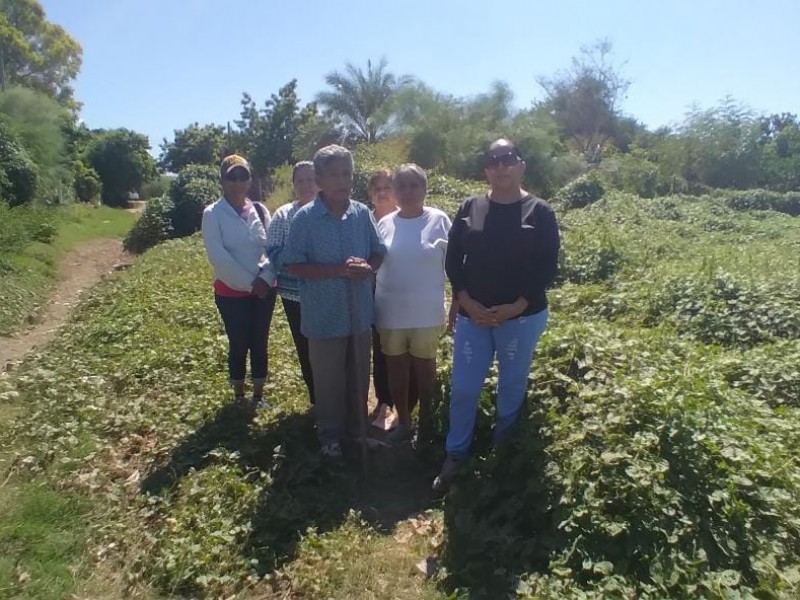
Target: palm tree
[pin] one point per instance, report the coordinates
(362, 101)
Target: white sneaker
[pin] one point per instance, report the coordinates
(259, 402)
(333, 450)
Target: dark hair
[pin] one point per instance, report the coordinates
(504, 143)
(299, 165)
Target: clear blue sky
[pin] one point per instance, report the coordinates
(157, 65)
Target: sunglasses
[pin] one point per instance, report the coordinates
(237, 175)
(507, 160)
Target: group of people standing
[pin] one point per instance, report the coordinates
(355, 282)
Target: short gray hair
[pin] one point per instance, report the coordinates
(326, 155)
(413, 169)
(299, 165)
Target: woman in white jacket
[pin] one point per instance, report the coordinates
(234, 234)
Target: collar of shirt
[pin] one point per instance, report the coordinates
(319, 209)
(238, 212)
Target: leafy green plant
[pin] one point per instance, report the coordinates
(18, 173)
(655, 459)
(153, 226)
(581, 192)
(195, 187)
(788, 203)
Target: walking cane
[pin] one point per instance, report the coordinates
(360, 394)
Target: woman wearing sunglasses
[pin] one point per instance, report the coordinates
(501, 257)
(234, 234)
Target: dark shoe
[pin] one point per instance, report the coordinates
(451, 467)
(399, 435)
(332, 450)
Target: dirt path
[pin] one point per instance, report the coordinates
(80, 269)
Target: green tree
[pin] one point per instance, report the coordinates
(87, 182)
(36, 53)
(194, 145)
(314, 132)
(780, 158)
(268, 136)
(720, 146)
(121, 159)
(584, 99)
(41, 125)
(18, 173)
(362, 100)
(190, 192)
(450, 134)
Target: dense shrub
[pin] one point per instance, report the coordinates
(788, 203)
(152, 227)
(588, 258)
(427, 148)
(634, 173)
(87, 182)
(368, 158)
(581, 192)
(721, 308)
(178, 214)
(770, 373)
(193, 189)
(281, 192)
(155, 188)
(23, 224)
(630, 479)
(447, 193)
(18, 173)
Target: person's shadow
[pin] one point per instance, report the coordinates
(305, 490)
(501, 514)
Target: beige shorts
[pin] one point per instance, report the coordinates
(419, 342)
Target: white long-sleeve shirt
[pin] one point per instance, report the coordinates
(236, 246)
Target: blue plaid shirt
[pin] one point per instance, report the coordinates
(288, 285)
(333, 307)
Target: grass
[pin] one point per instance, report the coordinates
(42, 531)
(185, 495)
(28, 273)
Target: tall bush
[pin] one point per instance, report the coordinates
(18, 173)
(193, 189)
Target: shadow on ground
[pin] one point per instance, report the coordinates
(305, 490)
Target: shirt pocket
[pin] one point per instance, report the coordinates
(528, 240)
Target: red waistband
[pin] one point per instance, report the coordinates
(220, 289)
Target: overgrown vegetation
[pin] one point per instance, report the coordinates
(656, 459)
(177, 214)
(32, 240)
(658, 455)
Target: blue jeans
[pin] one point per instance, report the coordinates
(474, 349)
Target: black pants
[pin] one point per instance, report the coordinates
(247, 322)
(292, 310)
(380, 375)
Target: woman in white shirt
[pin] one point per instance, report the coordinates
(234, 234)
(410, 296)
